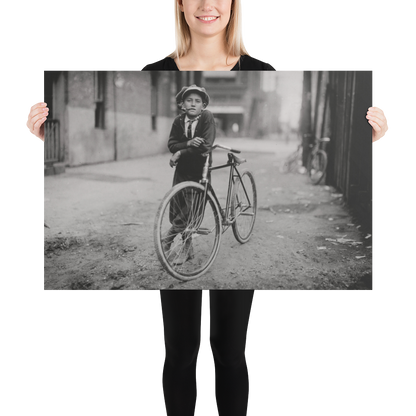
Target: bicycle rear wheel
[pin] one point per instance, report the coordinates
(244, 206)
(317, 166)
(187, 231)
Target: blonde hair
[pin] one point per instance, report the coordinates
(233, 33)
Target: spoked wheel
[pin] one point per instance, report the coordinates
(187, 231)
(244, 206)
(317, 166)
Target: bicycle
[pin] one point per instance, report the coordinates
(297, 160)
(318, 160)
(293, 163)
(188, 244)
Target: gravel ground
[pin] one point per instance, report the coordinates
(101, 229)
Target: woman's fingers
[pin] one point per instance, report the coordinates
(37, 116)
(374, 125)
(375, 118)
(377, 115)
(376, 121)
(38, 123)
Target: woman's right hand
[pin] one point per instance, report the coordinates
(36, 120)
(378, 122)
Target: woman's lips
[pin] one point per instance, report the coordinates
(207, 19)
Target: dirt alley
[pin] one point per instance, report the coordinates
(101, 229)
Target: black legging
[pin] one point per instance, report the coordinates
(230, 311)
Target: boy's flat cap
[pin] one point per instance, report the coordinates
(193, 88)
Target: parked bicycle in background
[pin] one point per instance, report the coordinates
(317, 160)
(310, 156)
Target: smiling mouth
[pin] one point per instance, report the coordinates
(207, 18)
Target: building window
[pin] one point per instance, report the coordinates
(99, 95)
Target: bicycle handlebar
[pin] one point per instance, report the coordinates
(206, 165)
(225, 148)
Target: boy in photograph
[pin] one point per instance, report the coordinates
(192, 136)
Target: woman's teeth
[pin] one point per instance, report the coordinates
(207, 18)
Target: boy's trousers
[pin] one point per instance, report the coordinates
(183, 204)
(229, 314)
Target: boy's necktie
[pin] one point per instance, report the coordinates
(190, 121)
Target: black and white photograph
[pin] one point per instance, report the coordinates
(208, 180)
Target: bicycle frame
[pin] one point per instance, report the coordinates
(319, 144)
(227, 221)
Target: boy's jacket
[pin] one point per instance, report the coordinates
(191, 161)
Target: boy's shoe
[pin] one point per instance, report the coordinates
(167, 239)
(186, 253)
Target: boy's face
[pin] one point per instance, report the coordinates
(193, 105)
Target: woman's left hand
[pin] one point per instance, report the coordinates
(36, 120)
(377, 121)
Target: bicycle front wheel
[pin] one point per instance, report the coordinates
(187, 231)
(317, 166)
(244, 206)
